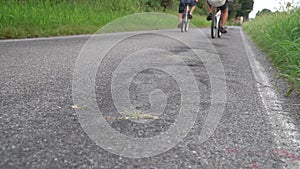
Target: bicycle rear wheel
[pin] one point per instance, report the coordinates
(213, 27)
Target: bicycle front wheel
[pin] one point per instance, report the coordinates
(219, 28)
(186, 26)
(183, 22)
(182, 26)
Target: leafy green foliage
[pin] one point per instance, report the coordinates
(167, 4)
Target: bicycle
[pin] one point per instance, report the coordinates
(216, 24)
(185, 22)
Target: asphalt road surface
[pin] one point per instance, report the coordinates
(153, 99)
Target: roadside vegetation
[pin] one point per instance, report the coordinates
(278, 35)
(34, 18)
(42, 18)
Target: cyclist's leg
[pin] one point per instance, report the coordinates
(209, 10)
(224, 9)
(224, 17)
(180, 11)
(193, 6)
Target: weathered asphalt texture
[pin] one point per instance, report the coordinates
(40, 129)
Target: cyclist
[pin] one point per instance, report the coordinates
(224, 9)
(192, 4)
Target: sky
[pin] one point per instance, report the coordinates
(273, 5)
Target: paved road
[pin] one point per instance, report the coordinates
(158, 99)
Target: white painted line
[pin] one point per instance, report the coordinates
(285, 133)
(83, 36)
(46, 38)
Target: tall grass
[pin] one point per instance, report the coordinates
(278, 35)
(30, 18)
(35, 18)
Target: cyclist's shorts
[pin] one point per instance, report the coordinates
(182, 2)
(224, 7)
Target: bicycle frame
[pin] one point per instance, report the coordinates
(218, 17)
(185, 19)
(216, 24)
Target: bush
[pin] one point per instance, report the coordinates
(155, 5)
(167, 4)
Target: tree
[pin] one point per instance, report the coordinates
(246, 8)
(233, 8)
(264, 11)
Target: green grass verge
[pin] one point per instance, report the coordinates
(278, 35)
(147, 21)
(43, 18)
(33, 18)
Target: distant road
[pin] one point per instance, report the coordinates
(199, 103)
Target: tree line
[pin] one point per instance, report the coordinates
(236, 7)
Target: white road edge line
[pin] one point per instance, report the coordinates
(285, 133)
(47, 38)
